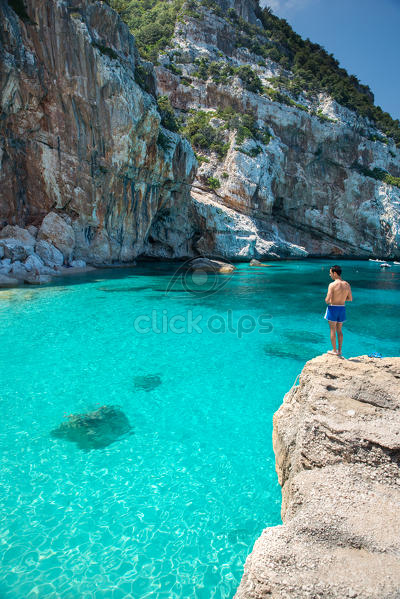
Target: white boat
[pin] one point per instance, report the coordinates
(396, 263)
(372, 260)
(385, 265)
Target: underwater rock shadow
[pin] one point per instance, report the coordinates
(124, 289)
(147, 382)
(94, 430)
(307, 336)
(292, 351)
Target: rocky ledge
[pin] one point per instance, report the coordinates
(337, 447)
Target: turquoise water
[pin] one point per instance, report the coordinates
(173, 509)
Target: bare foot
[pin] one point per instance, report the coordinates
(333, 352)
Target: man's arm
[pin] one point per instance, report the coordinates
(328, 298)
(349, 297)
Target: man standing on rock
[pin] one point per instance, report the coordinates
(339, 292)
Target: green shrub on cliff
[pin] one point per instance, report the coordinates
(151, 21)
(106, 50)
(204, 136)
(163, 141)
(377, 173)
(192, 8)
(168, 119)
(251, 80)
(221, 71)
(216, 9)
(213, 182)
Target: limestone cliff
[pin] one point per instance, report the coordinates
(80, 137)
(300, 175)
(337, 447)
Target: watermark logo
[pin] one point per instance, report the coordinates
(201, 277)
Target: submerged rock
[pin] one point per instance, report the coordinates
(337, 449)
(255, 262)
(94, 430)
(37, 279)
(147, 382)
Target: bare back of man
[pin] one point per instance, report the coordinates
(338, 292)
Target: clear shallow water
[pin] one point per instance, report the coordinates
(173, 510)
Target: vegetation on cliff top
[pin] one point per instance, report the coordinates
(315, 70)
(307, 67)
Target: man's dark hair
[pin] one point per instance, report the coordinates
(336, 269)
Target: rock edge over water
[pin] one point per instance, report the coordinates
(337, 446)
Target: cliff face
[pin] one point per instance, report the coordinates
(80, 137)
(301, 180)
(337, 448)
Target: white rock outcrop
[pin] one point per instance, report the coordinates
(235, 236)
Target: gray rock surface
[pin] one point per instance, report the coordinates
(78, 264)
(5, 266)
(33, 263)
(32, 230)
(18, 270)
(337, 447)
(15, 232)
(15, 249)
(49, 254)
(57, 231)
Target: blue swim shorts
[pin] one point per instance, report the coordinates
(335, 314)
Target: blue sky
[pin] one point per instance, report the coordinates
(364, 35)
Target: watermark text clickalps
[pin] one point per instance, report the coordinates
(162, 322)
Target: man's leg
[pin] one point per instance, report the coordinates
(332, 328)
(339, 336)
